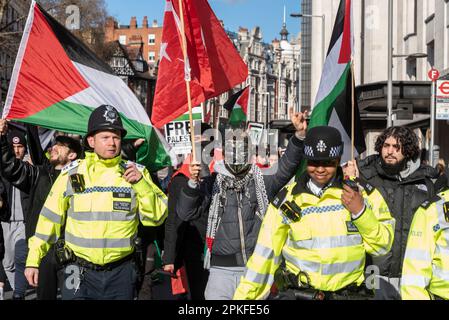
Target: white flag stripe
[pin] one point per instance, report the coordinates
(335, 122)
(332, 72)
(109, 89)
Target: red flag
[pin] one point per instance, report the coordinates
(213, 65)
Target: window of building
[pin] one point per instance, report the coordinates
(151, 39)
(411, 17)
(122, 39)
(411, 69)
(431, 53)
(152, 56)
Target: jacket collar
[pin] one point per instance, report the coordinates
(93, 159)
(301, 183)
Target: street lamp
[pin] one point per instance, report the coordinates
(323, 21)
(279, 54)
(390, 80)
(390, 64)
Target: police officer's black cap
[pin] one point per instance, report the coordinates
(104, 118)
(323, 144)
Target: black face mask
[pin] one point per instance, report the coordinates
(236, 157)
(393, 169)
(238, 170)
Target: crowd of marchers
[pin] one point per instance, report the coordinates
(81, 220)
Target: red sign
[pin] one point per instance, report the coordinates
(444, 87)
(433, 74)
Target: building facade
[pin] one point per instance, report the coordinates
(420, 42)
(273, 73)
(132, 34)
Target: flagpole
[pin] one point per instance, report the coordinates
(189, 100)
(353, 109)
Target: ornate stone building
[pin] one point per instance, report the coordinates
(273, 73)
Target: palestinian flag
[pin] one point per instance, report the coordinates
(237, 105)
(57, 82)
(333, 103)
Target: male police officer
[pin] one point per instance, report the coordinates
(95, 204)
(320, 226)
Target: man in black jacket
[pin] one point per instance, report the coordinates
(13, 222)
(234, 200)
(405, 183)
(184, 241)
(36, 181)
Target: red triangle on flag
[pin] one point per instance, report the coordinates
(243, 100)
(46, 74)
(214, 66)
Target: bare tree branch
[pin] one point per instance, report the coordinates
(12, 22)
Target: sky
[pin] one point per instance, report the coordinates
(267, 14)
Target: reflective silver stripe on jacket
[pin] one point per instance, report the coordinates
(303, 265)
(418, 254)
(325, 269)
(391, 222)
(326, 242)
(98, 243)
(413, 280)
(50, 215)
(253, 276)
(440, 273)
(102, 216)
(46, 238)
(267, 253)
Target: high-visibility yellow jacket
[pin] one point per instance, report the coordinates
(326, 242)
(425, 270)
(100, 222)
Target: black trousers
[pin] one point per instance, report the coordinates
(197, 277)
(50, 277)
(119, 283)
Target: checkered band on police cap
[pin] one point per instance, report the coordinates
(323, 143)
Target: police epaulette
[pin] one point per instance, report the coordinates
(291, 211)
(426, 204)
(365, 185)
(70, 166)
(280, 197)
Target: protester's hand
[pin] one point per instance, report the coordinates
(352, 200)
(299, 122)
(32, 276)
(3, 127)
(169, 268)
(132, 175)
(350, 169)
(138, 143)
(195, 169)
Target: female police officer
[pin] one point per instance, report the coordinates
(320, 228)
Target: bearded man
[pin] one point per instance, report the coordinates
(405, 183)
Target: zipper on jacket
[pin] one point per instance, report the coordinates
(242, 236)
